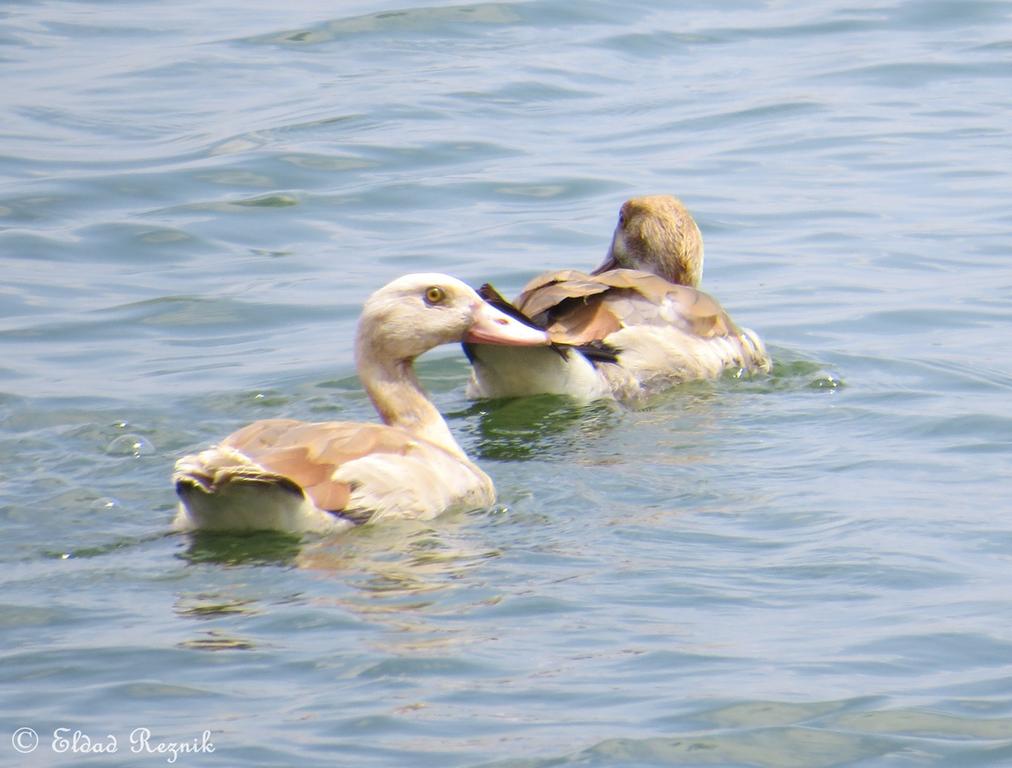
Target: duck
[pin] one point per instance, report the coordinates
(297, 477)
(636, 324)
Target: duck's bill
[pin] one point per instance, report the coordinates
(607, 265)
(491, 326)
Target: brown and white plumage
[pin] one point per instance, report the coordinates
(640, 311)
(288, 475)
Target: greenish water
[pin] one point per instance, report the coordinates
(808, 569)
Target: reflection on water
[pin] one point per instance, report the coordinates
(205, 605)
(390, 574)
(403, 560)
(397, 558)
(523, 428)
(217, 641)
(264, 548)
(549, 425)
(209, 606)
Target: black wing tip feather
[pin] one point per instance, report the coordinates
(598, 352)
(497, 300)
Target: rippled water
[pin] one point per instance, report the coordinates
(810, 569)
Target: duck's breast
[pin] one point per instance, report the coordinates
(423, 482)
(520, 372)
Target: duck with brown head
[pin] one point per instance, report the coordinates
(656, 234)
(640, 315)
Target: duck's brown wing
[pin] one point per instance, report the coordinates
(306, 456)
(549, 290)
(577, 308)
(359, 472)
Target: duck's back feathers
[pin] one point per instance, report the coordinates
(577, 308)
(328, 474)
(310, 454)
(638, 330)
(552, 288)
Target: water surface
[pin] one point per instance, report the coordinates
(806, 569)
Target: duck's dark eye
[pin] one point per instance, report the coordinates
(434, 295)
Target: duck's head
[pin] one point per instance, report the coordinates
(657, 234)
(417, 312)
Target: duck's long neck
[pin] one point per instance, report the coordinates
(400, 400)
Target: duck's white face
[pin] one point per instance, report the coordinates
(415, 313)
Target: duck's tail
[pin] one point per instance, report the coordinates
(220, 489)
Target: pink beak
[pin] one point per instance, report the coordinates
(491, 326)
